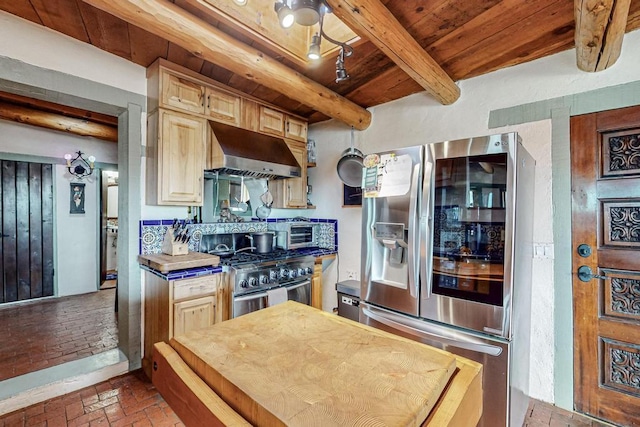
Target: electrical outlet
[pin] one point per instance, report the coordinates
(352, 275)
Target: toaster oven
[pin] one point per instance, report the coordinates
(295, 235)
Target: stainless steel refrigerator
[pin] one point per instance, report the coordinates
(447, 251)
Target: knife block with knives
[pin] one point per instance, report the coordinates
(176, 242)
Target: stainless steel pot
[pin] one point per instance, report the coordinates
(263, 242)
(349, 166)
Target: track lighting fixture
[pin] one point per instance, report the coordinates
(341, 73)
(285, 14)
(308, 13)
(314, 47)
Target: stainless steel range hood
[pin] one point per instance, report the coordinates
(241, 152)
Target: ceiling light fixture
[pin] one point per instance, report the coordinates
(308, 13)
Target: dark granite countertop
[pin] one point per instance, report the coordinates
(203, 271)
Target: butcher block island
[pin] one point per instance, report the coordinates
(294, 365)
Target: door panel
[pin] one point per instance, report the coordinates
(26, 251)
(605, 156)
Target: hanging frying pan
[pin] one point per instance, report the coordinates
(350, 166)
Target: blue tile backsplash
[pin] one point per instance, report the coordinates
(152, 232)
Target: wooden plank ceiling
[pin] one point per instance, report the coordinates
(466, 38)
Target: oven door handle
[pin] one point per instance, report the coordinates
(264, 294)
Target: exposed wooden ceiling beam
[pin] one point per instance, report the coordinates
(169, 21)
(372, 20)
(49, 120)
(64, 110)
(600, 27)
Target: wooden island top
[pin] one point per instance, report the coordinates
(294, 365)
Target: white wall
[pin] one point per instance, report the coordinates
(76, 237)
(77, 243)
(418, 119)
(34, 44)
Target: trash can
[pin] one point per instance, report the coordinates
(348, 299)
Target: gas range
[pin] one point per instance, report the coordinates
(255, 274)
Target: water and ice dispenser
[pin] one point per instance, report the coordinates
(392, 237)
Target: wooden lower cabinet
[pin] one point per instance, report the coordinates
(175, 307)
(193, 314)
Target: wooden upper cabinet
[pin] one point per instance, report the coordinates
(250, 115)
(295, 129)
(223, 106)
(175, 158)
(182, 93)
(292, 192)
(271, 121)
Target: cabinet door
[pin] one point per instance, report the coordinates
(181, 149)
(296, 190)
(181, 93)
(296, 129)
(223, 106)
(271, 121)
(193, 314)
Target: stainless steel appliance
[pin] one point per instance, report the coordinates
(348, 299)
(239, 152)
(253, 277)
(447, 257)
(295, 235)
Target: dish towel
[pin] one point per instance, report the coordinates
(276, 296)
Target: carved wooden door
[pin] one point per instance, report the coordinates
(605, 157)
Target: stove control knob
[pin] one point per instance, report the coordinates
(309, 270)
(293, 274)
(301, 272)
(284, 272)
(253, 282)
(273, 275)
(244, 283)
(264, 279)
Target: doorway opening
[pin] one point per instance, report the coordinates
(109, 230)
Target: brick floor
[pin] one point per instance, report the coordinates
(542, 414)
(131, 400)
(43, 333)
(127, 400)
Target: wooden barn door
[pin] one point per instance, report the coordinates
(605, 157)
(26, 221)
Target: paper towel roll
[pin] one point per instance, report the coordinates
(276, 296)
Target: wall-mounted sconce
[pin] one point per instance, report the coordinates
(80, 166)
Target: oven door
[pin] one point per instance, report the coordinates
(243, 304)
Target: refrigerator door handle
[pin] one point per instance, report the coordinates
(426, 239)
(414, 234)
(400, 324)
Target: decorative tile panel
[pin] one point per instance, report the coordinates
(621, 223)
(621, 366)
(621, 153)
(152, 232)
(621, 294)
